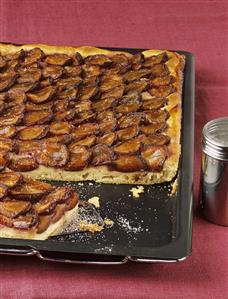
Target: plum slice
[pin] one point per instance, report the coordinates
(41, 95)
(79, 158)
(154, 156)
(52, 154)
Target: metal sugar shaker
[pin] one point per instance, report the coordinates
(214, 171)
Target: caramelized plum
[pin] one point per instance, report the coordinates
(154, 156)
(52, 154)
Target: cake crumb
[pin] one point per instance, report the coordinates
(108, 222)
(94, 201)
(136, 191)
(93, 228)
(174, 186)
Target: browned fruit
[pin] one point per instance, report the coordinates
(88, 92)
(110, 76)
(146, 96)
(28, 146)
(58, 212)
(128, 163)
(3, 96)
(2, 62)
(160, 70)
(85, 130)
(156, 116)
(154, 103)
(157, 139)
(33, 132)
(16, 97)
(153, 128)
(29, 75)
(61, 105)
(12, 208)
(12, 65)
(52, 154)
(31, 189)
(37, 107)
(154, 156)
(72, 201)
(6, 221)
(37, 117)
(162, 81)
(162, 91)
(130, 106)
(64, 115)
(60, 128)
(155, 59)
(85, 116)
(127, 133)
(7, 131)
(24, 87)
(32, 56)
(103, 104)
(8, 120)
(14, 56)
(116, 92)
(41, 95)
(102, 154)
(137, 61)
(99, 59)
(10, 179)
(17, 109)
(128, 147)
(139, 85)
(58, 59)
(65, 139)
(73, 70)
(91, 70)
(79, 158)
(3, 192)
(48, 203)
(7, 144)
(105, 115)
(22, 162)
(132, 95)
(109, 84)
(120, 59)
(107, 139)
(52, 71)
(69, 82)
(3, 159)
(108, 126)
(7, 83)
(2, 107)
(45, 82)
(68, 94)
(26, 221)
(130, 119)
(88, 141)
(9, 73)
(43, 223)
(135, 75)
(78, 59)
(82, 106)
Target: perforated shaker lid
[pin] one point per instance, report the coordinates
(215, 138)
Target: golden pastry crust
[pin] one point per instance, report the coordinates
(31, 234)
(102, 174)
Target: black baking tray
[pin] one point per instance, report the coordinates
(155, 228)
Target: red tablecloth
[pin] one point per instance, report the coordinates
(196, 26)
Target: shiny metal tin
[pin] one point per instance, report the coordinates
(214, 171)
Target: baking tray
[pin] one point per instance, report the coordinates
(155, 228)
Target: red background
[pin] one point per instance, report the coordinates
(196, 26)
